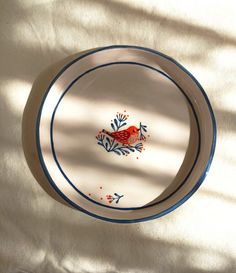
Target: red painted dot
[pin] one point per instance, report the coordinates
(148, 135)
(100, 187)
(89, 194)
(124, 110)
(137, 157)
(101, 198)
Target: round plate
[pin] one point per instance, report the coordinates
(125, 134)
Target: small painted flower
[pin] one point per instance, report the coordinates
(116, 197)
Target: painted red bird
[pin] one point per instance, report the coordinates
(127, 136)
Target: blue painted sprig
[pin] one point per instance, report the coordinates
(112, 146)
(118, 121)
(116, 197)
(142, 130)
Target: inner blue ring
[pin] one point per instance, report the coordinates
(54, 151)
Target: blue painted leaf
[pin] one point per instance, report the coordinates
(106, 145)
(122, 117)
(115, 146)
(116, 123)
(99, 143)
(117, 201)
(113, 127)
(138, 148)
(116, 194)
(144, 129)
(123, 124)
(108, 140)
(122, 151)
(118, 153)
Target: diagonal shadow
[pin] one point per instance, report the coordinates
(60, 232)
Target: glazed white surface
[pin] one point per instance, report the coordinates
(89, 106)
(197, 237)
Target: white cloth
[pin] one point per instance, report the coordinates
(39, 234)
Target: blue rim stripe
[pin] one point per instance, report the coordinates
(180, 202)
(54, 151)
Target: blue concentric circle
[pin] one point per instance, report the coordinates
(198, 183)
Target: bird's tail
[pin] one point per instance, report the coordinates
(106, 132)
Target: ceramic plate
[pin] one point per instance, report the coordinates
(125, 134)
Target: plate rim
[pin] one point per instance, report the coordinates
(179, 202)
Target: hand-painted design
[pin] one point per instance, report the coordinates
(122, 142)
(142, 129)
(115, 198)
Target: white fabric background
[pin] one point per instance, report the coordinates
(39, 234)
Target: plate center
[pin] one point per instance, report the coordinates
(120, 134)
